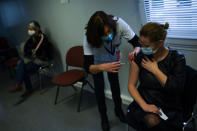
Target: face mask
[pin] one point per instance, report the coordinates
(148, 51)
(31, 32)
(109, 38)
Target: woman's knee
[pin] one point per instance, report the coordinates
(151, 120)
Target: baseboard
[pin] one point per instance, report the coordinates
(125, 99)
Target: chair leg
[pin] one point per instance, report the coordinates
(57, 93)
(127, 127)
(74, 88)
(90, 85)
(80, 98)
(40, 80)
(11, 72)
(186, 123)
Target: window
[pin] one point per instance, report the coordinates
(180, 14)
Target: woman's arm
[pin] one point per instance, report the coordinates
(94, 69)
(108, 67)
(133, 79)
(130, 36)
(128, 33)
(161, 77)
(27, 51)
(152, 66)
(174, 81)
(89, 64)
(135, 41)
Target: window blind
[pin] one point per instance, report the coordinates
(180, 14)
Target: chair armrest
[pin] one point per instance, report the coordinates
(188, 121)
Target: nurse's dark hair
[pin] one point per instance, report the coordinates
(154, 31)
(95, 28)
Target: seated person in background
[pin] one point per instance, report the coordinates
(36, 53)
(161, 72)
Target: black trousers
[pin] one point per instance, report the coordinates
(99, 91)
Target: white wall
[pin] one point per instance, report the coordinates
(64, 24)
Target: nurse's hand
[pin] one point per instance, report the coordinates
(134, 53)
(151, 108)
(111, 67)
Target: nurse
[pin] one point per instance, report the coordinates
(102, 38)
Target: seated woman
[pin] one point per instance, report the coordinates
(160, 71)
(36, 53)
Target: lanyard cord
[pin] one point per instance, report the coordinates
(112, 51)
(40, 42)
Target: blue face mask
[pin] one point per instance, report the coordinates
(109, 38)
(148, 51)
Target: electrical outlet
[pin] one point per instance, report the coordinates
(64, 1)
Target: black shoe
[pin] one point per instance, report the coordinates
(105, 125)
(119, 113)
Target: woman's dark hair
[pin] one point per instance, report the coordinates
(95, 28)
(35, 25)
(154, 31)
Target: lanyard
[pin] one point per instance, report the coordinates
(111, 50)
(40, 42)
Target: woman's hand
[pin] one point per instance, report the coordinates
(111, 67)
(150, 65)
(151, 108)
(134, 53)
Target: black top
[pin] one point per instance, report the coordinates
(169, 96)
(44, 51)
